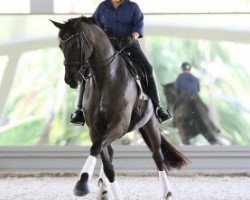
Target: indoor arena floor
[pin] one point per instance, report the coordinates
(133, 188)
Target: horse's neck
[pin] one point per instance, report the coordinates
(102, 47)
(101, 54)
(104, 61)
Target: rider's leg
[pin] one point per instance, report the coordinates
(136, 52)
(161, 113)
(77, 118)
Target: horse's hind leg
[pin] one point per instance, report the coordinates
(184, 135)
(205, 121)
(152, 137)
(210, 137)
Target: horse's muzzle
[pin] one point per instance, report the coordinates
(72, 84)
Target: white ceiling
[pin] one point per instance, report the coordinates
(227, 27)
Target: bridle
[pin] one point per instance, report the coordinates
(83, 62)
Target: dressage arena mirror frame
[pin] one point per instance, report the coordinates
(60, 159)
(128, 159)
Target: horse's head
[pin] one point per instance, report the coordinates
(170, 93)
(75, 47)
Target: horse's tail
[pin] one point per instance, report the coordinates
(173, 158)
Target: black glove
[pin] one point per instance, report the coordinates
(127, 41)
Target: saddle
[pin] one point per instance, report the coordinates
(136, 70)
(134, 66)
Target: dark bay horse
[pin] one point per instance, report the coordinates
(191, 117)
(110, 97)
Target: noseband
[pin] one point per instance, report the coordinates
(83, 62)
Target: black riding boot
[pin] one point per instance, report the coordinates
(77, 118)
(161, 113)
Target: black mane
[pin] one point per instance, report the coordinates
(89, 20)
(72, 26)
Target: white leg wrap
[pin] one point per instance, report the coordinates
(117, 194)
(89, 166)
(164, 183)
(103, 186)
(103, 176)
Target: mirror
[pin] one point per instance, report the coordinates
(35, 103)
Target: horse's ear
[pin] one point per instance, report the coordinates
(57, 24)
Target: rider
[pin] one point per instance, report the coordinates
(186, 85)
(126, 21)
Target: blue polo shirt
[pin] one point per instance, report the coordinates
(123, 21)
(187, 83)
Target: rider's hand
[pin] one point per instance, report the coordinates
(127, 41)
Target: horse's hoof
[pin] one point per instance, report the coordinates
(103, 192)
(105, 195)
(169, 195)
(81, 188)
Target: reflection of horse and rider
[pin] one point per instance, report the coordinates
(190, 114)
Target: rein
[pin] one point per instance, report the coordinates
(84, 64)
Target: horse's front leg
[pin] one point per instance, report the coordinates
(114, 132)
(103, 183)
(81, 187)
(103, 186)
(107, 155)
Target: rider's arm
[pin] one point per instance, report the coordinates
(138, 22)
